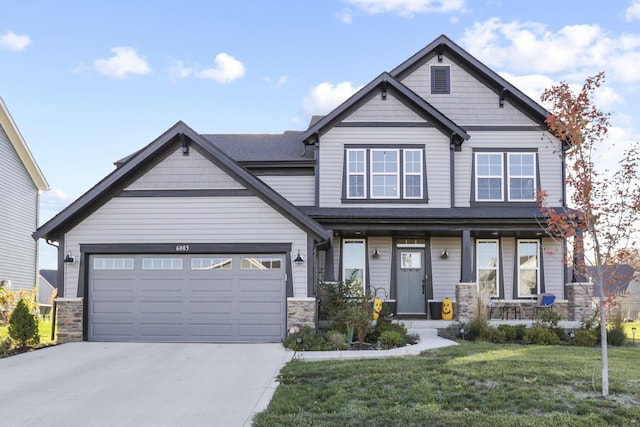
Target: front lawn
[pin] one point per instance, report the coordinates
(473, 384)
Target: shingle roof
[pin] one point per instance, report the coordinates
(262, 147)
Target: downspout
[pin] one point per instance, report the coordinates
(452, 175)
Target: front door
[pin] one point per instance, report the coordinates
(411, 279)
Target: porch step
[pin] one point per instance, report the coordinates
(425, 328)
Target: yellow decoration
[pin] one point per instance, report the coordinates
(377, 308)
(447, 309)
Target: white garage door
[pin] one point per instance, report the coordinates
(186, 298)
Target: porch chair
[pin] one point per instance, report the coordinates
(497, 305)
(544, 301)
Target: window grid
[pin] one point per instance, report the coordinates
(528, 267)
(488, 267)
(162, 263)
(260, 263)
(385, 174)
(356, 174)
(413, 174)
(522, 176)
(353, 261)
(489, 176)
(211, 263)
(113, 263)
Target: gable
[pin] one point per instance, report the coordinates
(185, 172)
(384, 109)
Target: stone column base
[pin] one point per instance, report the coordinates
(465, 298)
(580, 304)
(302, 312)
(69, 319)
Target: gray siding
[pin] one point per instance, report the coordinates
(299, 190)
(549, 160)
(18, 219)
(384, 110)
(185, 172)
(469, 103)
(553, 267)
(380, 268)
(508, 245)
(332, 158)
(445, 272)
(186, 220)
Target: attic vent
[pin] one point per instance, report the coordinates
(440, 80)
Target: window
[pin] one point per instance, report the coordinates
(522, 176)
(440, 80)
(384, 173)
(492, 183)
(162, 263)
(413, 174)
(489, 176)
(260, 263)
(113, 263)
(528, 267)
(487, 267)
(211, 263)
(353, 260)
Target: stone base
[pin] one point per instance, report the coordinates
(302, 312)
(580, 301)
(465, 299)
(69, 319)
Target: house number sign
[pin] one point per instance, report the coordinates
(182, 248)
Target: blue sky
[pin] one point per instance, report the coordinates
(89, 82)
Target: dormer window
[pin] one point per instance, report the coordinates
(440, 80)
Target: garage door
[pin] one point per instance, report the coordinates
(186, 298)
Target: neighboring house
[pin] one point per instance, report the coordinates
(47, 283)
(424, 179)
(21, 183)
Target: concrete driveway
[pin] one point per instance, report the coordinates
(135, 384)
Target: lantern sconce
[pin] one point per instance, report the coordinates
(69, 259)
(375, 254)
(445, 254)
(299, 260)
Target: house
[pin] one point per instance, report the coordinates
(21, 183)
(423, 181)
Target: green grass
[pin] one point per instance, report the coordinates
(473, 384)
(44, 329)
(629, 332)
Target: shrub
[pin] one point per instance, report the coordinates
(510, 332)
(616, 335)
(453, 331)
(5, 347)
(494, 335)
(23, 325)
(390, 339)
(541, 335)
(336, 340)
(586, 337)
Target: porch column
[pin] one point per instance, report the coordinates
(578, 258)
(466, 267)
(580, 304)
(69, 319)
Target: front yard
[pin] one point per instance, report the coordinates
(473, 384)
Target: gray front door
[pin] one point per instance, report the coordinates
(411, 281)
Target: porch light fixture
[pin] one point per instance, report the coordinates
(445, 254)
(69, 259)
(375, 254)
(299, 259)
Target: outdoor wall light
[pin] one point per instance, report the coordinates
(299, 260)
(375, 254)
(69, 259)
(445, 254)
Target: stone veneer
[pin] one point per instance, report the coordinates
(580, 303)
(465, 295)
(301, 312)
(69, 319)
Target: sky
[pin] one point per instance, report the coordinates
(90, 82)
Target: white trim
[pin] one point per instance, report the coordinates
(519, 268)
(385, 173)
(500, 176)
(509, 176)
(419, 174)
(497, 266)
(363, 260)
(363, 174)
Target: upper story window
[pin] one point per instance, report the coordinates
(384, 174)
(440, 79)
(497, 174)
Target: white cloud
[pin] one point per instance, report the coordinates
(14, 42)
(178, 70)
(325, 97)
(633, 12)
(345, 15)
(125, 61)
(52, 202)
(282, 81)
(227, 70)
(410, 7)
(532, 85)
(530, 47)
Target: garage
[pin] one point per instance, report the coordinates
(186, 298)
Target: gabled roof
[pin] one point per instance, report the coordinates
(284, 147)
(29, 162)
(386, 82)
(118, 179)
(443, 45)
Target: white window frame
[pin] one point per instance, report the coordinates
(533, 176)
(497, 266)
(164, 263)
(489, 176)
(536, 268)
(419, 174)
(385, 173)
(113, 263)
(362, 261)
(363, 174)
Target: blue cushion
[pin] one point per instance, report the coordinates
(548, 299)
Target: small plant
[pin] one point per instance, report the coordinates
(541, 336)
(5, 347)
(479, 322)
(453, 331)
(23, 325)
(336, 340)
(616, 334)
(494, 335)
(391, 339)
(513, 333)
(585, 337)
